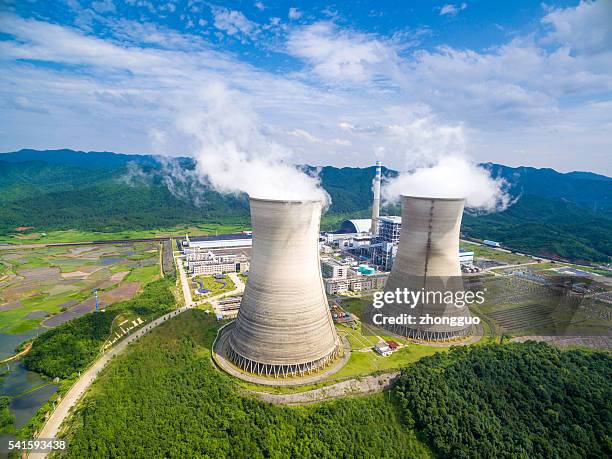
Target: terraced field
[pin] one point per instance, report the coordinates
(521, 307)
(44, 287)
(524, 317)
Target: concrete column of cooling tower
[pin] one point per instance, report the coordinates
(376, 201)
(284, 324)
(428, 257)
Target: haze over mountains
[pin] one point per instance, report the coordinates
(560, 215)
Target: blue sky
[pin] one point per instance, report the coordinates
(520, 83)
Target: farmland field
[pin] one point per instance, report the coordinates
(60, 236)
(44, 287)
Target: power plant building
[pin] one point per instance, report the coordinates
(284, 325)
(341, 278)
(207, 262)
(427, 260)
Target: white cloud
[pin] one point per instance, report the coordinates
(341, 56)
(451, 9)
(294, 13)
(310, 138)
(233, 22)
(260, 6)
(104, 6)
(305, 135)
(536, 100)
(586, 28)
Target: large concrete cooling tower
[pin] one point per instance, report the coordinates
(428, 260)
(284, 325)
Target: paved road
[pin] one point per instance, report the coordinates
(71, 398)
(184, 281)
(61, 412)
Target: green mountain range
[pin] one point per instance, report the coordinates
(566, 216)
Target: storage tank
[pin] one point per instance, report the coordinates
(284, 326)
(427, 261)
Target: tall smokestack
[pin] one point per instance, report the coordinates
(428, 260)
(376, 202)
(284, 326)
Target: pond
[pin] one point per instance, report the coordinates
(26, 406)
(8, 341)
(19, 380)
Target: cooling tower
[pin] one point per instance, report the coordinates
(284, 325)
(376, 201)
(428, 260)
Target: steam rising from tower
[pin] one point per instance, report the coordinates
(376, 202)
(427, 260)
(284, 326)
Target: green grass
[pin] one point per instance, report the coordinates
(62, 236)
(355, 305)
(143, 274)
(364, 363)
(215, 286)
(496, 255)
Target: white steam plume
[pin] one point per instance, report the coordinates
(233, 155)
(439, 168)
(451, 177)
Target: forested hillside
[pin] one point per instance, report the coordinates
(515, 400)
(71, 347)
(164, 398)
(558, 215)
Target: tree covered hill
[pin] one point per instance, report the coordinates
(563, 215)
(516, 400)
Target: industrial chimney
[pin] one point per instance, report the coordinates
(284, 326)
(376, 202)
(428, 260)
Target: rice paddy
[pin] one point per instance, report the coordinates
(43, 287)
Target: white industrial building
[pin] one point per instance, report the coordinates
(241, 240)
(340, 278)
(207, 263)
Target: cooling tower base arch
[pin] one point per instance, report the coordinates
(236, 365)
(281, 371)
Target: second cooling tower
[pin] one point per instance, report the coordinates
(428, 261)
(284, 326)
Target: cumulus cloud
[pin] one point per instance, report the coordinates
(234, 22)
(340, 55)
(294, 13)
(586, 28)
(105, 6)
(452, 10)
(234, 156)
(534, 100)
